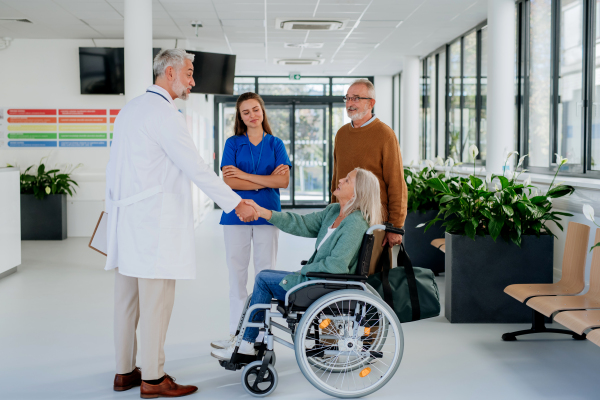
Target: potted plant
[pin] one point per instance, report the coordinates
(44, 202)
(423, 206)
(497, 234)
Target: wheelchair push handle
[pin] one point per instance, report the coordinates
(387, 227)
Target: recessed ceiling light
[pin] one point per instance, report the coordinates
(310, 24)
(299, 61)
(303, 45)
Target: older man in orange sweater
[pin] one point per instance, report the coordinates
(368, 143)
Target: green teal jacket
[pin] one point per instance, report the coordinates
(338, 255)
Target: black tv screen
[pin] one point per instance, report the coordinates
(213, 72)
(102, 69)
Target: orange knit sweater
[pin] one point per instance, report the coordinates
(375, 148)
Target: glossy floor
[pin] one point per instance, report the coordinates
(56, 338)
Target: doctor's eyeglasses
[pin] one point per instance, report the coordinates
(355, 98)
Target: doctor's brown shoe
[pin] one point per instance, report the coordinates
(127, 381)
(167, 388)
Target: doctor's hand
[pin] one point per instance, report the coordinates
(280, 170)
(245, 212)
(262, 212)
(230, 171)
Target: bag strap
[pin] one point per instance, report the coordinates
(386, 265)
(413, 291)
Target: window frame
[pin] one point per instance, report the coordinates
(522, 94)
(435, 56)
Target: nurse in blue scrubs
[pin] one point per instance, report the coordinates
(255, 165)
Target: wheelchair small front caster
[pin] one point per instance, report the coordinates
(509, 337)
(251, 383)
(579, 337)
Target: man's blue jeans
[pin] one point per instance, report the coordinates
(266, 288)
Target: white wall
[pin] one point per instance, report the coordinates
(45, 74)
(383, 105)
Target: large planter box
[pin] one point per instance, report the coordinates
(478, 271)
(418, 242)
(44, 219)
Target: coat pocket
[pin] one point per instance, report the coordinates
(176, 211)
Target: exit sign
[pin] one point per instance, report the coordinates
(295, 77)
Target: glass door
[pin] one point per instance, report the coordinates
(311, 155)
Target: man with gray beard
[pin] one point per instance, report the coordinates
(368, 143)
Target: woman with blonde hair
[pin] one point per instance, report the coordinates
(339, 230)
(255, 165)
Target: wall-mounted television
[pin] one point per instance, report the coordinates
(102, 69)
(213, 72)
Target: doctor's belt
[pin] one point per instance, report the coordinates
(138, 197)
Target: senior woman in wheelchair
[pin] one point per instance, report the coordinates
(339, 230)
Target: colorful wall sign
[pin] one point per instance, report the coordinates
(77, 127)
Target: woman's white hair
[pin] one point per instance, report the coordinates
(367, 197)
(170, 58)
(368, 84)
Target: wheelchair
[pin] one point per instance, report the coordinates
(348, 342)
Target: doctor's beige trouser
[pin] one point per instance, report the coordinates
(149, 301)
(239, 241)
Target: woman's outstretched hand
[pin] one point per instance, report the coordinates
(280, 170)
(262, 212)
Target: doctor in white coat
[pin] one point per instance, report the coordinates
(153, 162)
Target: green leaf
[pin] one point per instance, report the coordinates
(474, 222)
(475, 181)
(41, 169)
(487, 214)
(496, 225)
(504, 181)
(470, 231)
(539, 199)
(596, 245)
(508, 210)
(446, 198)
(560, 191)
(438, 184)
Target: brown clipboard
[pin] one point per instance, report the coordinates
(102, 220)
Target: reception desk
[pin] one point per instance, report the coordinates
(10, 221)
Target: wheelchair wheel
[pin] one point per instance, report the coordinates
(349, 343)
(249, 379)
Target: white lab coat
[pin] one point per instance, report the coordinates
(153, 160)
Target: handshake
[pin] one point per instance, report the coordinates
(248, 211)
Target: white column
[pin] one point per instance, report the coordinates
(138, 47)
(383, 93)
(500, 83)
(409, 103)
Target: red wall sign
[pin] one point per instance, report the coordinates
(30, 111)
(81, 112)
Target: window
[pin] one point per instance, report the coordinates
(429, 111)
(242, 84)
(454, 99)
(558, 107)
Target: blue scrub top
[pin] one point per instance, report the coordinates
(237, 153)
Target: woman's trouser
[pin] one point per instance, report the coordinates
(149, 301)
(266, 287)
(239, 241)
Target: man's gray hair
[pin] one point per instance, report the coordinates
(170, 58)
(368, 84)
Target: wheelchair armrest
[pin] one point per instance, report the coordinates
(336, 277)
(391, 228)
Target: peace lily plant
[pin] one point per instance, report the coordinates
(421, 196)
(501, 205)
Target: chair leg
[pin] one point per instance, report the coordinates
(538, 326)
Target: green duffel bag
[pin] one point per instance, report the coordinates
(410, 291)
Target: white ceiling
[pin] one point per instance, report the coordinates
(374, 47)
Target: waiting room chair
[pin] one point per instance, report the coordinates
(572, 281)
